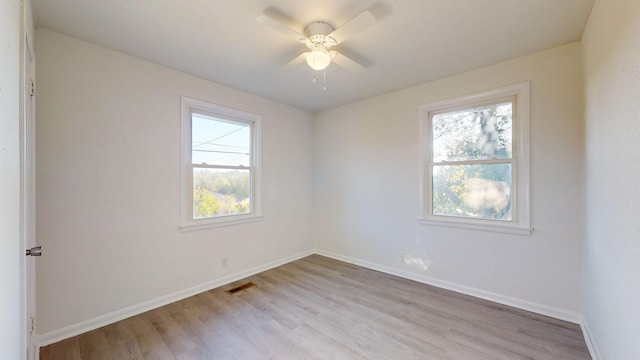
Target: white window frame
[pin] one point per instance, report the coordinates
(190, 106)
(521, 217)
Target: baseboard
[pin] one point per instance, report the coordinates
(482, 294)
(591, 345)
(110, 318)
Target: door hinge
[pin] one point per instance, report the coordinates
(32, 328)
(32, 90)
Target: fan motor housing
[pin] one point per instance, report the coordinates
(318, 28)
(317, 33)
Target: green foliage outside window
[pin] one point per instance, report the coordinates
(219, 193)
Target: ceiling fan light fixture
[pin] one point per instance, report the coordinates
(319, 37)
(319, 58)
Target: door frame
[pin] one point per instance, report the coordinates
(27, 183)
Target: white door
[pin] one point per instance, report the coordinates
(27, 194)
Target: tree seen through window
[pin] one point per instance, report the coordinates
(472, 162)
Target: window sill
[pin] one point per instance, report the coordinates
(478, 225)
(219, 222)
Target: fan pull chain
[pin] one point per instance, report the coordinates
(324, 79)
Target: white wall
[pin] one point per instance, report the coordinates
(366, 186)
(612, 228)
(10, 256)
(108, 178)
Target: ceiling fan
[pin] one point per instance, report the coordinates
(319, 37)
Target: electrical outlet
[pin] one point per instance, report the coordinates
(224, 262)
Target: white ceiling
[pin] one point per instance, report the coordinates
(413, 41)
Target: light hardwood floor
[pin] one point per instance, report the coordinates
(319, 308)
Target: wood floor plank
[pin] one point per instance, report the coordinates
(319, 308)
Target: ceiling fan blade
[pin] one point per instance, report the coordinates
(280, 27)
(359, 23)
(346, 63)
(297, 61)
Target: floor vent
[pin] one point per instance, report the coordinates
(240, 288)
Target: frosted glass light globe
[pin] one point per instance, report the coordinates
(318, 58)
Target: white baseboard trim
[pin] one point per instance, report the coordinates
(482, 294)
(110, 318)
(593, 349)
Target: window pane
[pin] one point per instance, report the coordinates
(219, 142)
(218, 192)
(477, 191)
(473, 134)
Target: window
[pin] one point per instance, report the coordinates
(475, 161)
(220, 165)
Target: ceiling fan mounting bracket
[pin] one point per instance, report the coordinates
(318, 28)
(316, 33)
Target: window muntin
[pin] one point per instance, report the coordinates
(475, 161)
(221, 172)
